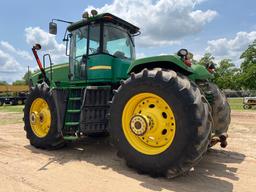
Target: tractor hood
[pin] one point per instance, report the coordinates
(172, 61)
(59, 73)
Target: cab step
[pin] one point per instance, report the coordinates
(74, 111)
(75, 123)
(75, 99)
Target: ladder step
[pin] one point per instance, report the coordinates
(72, 123)
(77, 88)
(75, 98)
(74, 111)
(71, 138)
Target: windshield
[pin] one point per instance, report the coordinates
(79, 40)
(118, 42)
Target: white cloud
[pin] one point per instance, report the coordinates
(140, 55)
(162, 22)
(7, 46)
(10, 68)
(14, 61)
(8, 63)
(48, 42)
(231, 48)
(197, 56)
(17, 52)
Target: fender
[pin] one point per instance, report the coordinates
(200, 73)
(172, 62)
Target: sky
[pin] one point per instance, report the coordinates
(223, 28)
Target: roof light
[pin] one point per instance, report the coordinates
(85, 15)
(94, 12)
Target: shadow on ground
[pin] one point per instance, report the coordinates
(212, 173)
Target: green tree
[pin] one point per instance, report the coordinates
(248, 67)
(206, 59)
(3, 83)
(24, 80)
(26, 77)
(249, 56)
(248, 77)
(227, 76)
(191, 57)
(19, 82)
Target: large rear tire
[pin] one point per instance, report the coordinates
(40, 118)
(169, 126)
(220, 111)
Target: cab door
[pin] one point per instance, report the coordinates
(78, 53)
(85, 44)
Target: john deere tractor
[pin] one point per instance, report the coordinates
(161, 112)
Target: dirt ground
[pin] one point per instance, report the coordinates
(92, 165)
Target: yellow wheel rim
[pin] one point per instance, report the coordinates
(148, 123)
(40, 117)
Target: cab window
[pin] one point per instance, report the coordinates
(117, 42)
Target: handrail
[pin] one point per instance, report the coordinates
(50, 59)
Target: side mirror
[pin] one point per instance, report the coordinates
(53, 28)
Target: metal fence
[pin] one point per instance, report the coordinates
(240, 93)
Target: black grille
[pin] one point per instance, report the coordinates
(95, 108)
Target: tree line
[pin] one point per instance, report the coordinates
(228, 76)
(23, 81)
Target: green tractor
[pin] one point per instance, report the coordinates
(161, 112)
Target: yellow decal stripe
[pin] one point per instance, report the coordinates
(100, 67)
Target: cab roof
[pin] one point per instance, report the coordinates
(105, 17)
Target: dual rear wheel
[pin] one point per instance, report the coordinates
(160, 122)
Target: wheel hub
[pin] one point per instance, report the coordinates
(139, 125)
(40, 117)
(148, 123)
(33, 118)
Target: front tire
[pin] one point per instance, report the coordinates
(174, 111)
(40, 118)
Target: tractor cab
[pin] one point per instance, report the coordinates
(101, 48)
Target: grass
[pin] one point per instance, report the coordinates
(237, 104)
(11, 108)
